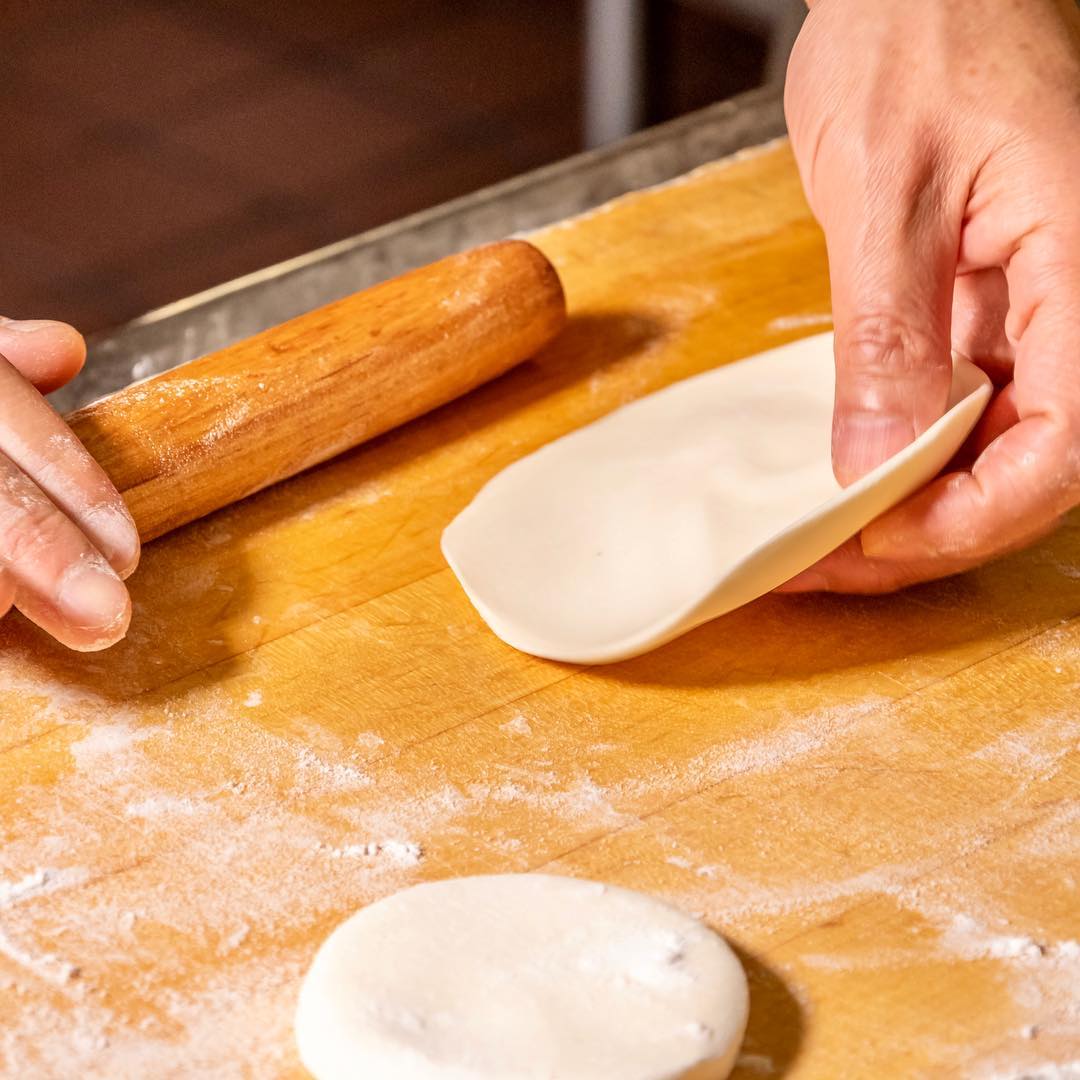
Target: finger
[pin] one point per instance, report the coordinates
(47, 353)
(1030, 474)
(850, 570)
(37, 440)
(1020, 486)
(60, 580)
(980, 305)
(893, 241)
(7, 594)
(1000, 415)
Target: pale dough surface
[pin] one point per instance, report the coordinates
(512, 976)
(681, 506)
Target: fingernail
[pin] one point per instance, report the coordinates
(116, 536)
(863, 441)
(26, 326)
(92, 597)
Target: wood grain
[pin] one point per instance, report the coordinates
(875, 799)
(213, 431)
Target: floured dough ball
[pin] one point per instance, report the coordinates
(521, 976)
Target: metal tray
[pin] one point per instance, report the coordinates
(237, 309)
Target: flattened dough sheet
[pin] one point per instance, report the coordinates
(681, 506)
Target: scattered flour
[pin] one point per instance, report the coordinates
(1037, 751)
(12, 891)
(44, 964)
(518, 725)
(154, 805)
(404, 853)
(399, 852)
(39, 882)
(656, 961)
(253, 868)
(235, 939)
(107, 742)
(757, 1063)
(369, 494)
(964, 937)
(230, 418)
(334, 774)
(47, 966)
(253, 700)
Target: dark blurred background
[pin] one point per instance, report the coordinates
(152, 149)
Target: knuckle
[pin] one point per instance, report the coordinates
(52, 474)
(28, 525)
(884, 343)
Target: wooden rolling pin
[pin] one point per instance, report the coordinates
(205, 434)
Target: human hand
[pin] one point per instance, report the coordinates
(939, 146)
(66, 538)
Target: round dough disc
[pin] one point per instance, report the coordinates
(521, 976)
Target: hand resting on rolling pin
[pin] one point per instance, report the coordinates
(939, 146)
(254, 413)
(66, 538)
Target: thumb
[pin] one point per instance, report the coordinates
(47, 353)
(892, 263)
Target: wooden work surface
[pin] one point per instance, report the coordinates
(876, 800)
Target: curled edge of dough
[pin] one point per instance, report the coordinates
(796, 546)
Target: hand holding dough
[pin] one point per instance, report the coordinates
(946, 190)
(681, 506)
